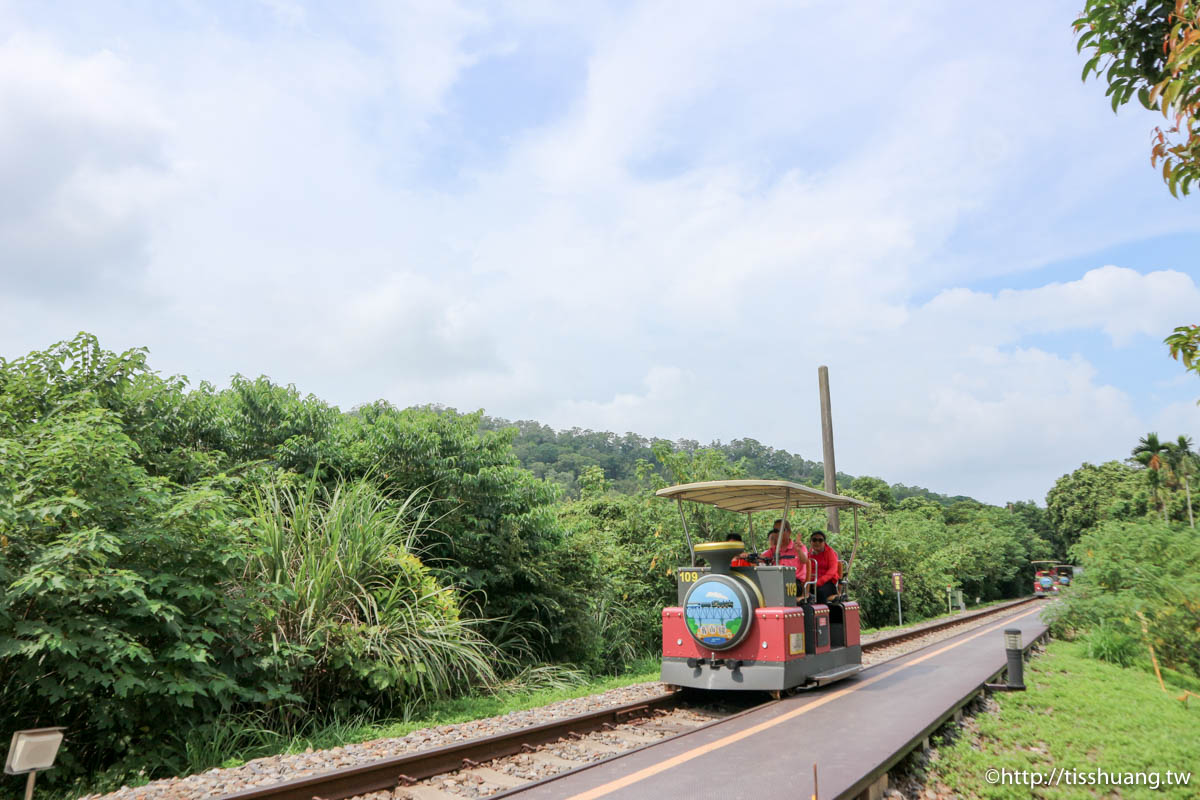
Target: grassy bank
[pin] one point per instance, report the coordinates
(1080, 715)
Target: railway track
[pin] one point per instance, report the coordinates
(917, 631)
(495, 766)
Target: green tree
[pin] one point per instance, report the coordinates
(1182, 460)
(873, 490)
(1037, 520)
(1142, 566)
(634, 545)
(1079, 501)
(693, 466)
(1151, 49)
(121, 612)
(1184, 345)
(495, 532)
(921, 505)
(1150, 453)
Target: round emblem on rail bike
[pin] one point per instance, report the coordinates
(718, 610)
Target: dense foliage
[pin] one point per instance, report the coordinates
(359, 614)
(984, 551)
(1151, 49)
(1131, 526)
(1184, 346)
(114, 617)
(1092, 494)
(563, 457)
(1140, 587)
(170, 557)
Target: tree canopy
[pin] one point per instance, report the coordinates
(1151, 49)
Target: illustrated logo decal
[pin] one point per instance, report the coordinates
(714, 614)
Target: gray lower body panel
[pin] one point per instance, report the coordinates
(758, 675)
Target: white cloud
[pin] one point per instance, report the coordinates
(666, 392)
(83, 165)
(729, 198)
(1121, 302)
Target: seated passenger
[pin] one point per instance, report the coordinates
(789, 555)
(766, 555)
(740, 559)
(827, 566)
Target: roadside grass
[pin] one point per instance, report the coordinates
(1079, 714)
(466, 709)
(452, 711)
(923, 620)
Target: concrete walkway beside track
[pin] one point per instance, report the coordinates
(852, 731)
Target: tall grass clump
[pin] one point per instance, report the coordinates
(357, 615)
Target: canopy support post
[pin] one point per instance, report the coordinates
(786, 525)
(683, 519)
(787, 508)
(854, 551)
(749, 529)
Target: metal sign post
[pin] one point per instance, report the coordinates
(32, 751)
(949, 599)
(898, 585)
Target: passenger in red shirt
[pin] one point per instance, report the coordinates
(827, 566)
(791, 554)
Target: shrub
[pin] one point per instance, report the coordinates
(360, 619)
(1109, 643)
(1143, 567)
(118, 616)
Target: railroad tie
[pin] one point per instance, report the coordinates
(671, 726)
(551, 760)
(632, 736)
(495, 777)
(597, 746)
(419, 792)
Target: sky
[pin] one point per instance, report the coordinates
(648, 217)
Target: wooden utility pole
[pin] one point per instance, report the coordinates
(827, 446)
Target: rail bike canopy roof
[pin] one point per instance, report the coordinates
(1043, 562)
(757, 495)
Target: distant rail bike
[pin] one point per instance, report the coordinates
(739, 625)
(1045, 579)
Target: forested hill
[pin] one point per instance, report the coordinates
(562, 456)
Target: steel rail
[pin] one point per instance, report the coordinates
(942, 624)
(407, 769)
(398, 771)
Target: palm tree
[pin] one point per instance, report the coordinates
(1149, 453)
(1182, 459)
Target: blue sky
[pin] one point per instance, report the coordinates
(636, 217)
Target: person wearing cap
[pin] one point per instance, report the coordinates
(827, 566)
(789, 553)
